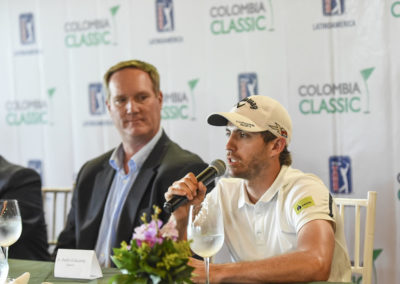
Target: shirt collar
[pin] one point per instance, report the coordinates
(136, 161)
(243, 197)
(268, 194)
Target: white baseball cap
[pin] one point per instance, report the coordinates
(256, 114)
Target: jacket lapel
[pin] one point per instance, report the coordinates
(102, 185)
(142, 185)
(96, 204)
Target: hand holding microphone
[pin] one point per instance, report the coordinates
(215, 169)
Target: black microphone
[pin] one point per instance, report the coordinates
(215, 169)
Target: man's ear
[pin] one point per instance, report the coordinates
(160, 97)
(279, 144)
(108, 104)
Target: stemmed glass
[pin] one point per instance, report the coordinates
(10, 224)
(206, 230)
(3, 268)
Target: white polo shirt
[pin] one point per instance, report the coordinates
(270, 227)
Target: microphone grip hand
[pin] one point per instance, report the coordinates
(182, 191)
(189, 185)
(175, 202)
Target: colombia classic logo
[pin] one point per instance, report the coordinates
(241, 17)
(395, 9)
(30, 112)
(92, 32)
(26, 112)
(340, 174)
(342, 97)
(179, 105)
(247, 85)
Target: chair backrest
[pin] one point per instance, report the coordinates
(56, 206)
(365, 267)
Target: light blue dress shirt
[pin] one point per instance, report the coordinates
(119, 190)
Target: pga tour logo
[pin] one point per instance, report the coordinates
(248, 85)
(165, 15)
(36, 165)
(26, 28)
(333, 7)
(340, 174)
(96, 99)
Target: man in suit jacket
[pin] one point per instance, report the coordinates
(112, 191)
(24, 185)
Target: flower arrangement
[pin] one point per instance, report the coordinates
(154, 255)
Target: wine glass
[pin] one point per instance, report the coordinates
(10, 224)
(206, 231)
(3, 267)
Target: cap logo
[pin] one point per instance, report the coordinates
(245, 124)
(279, 129)
(251, 102)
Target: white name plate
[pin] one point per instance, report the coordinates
(77, 263)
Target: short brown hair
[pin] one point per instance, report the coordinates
(285, 158)
(135, 64)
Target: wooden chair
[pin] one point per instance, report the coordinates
(365, 266)
(56, 205)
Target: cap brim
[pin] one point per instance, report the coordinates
(217, 119)
(240, 121)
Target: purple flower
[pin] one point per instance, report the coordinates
(148, 233)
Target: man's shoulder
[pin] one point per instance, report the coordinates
(100, 159)
(171, 152)
(294, 177)
(9, 170)
(177, 161)
(300, 186)
(97, 163)
(176, 152)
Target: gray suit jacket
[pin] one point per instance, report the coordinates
(166, 163)
(24, 185)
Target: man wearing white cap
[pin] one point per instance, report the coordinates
(281, 225)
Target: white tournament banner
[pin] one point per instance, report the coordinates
(334, 64)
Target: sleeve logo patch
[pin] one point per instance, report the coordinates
(302, 204)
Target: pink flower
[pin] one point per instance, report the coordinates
(148, 233)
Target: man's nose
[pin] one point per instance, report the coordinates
(131, 106)
(230, 144)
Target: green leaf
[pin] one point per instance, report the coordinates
(376, 253)
(163, 263)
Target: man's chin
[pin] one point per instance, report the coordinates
(138, 133)
(237, 174)
(135, 128)
(233, 173)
